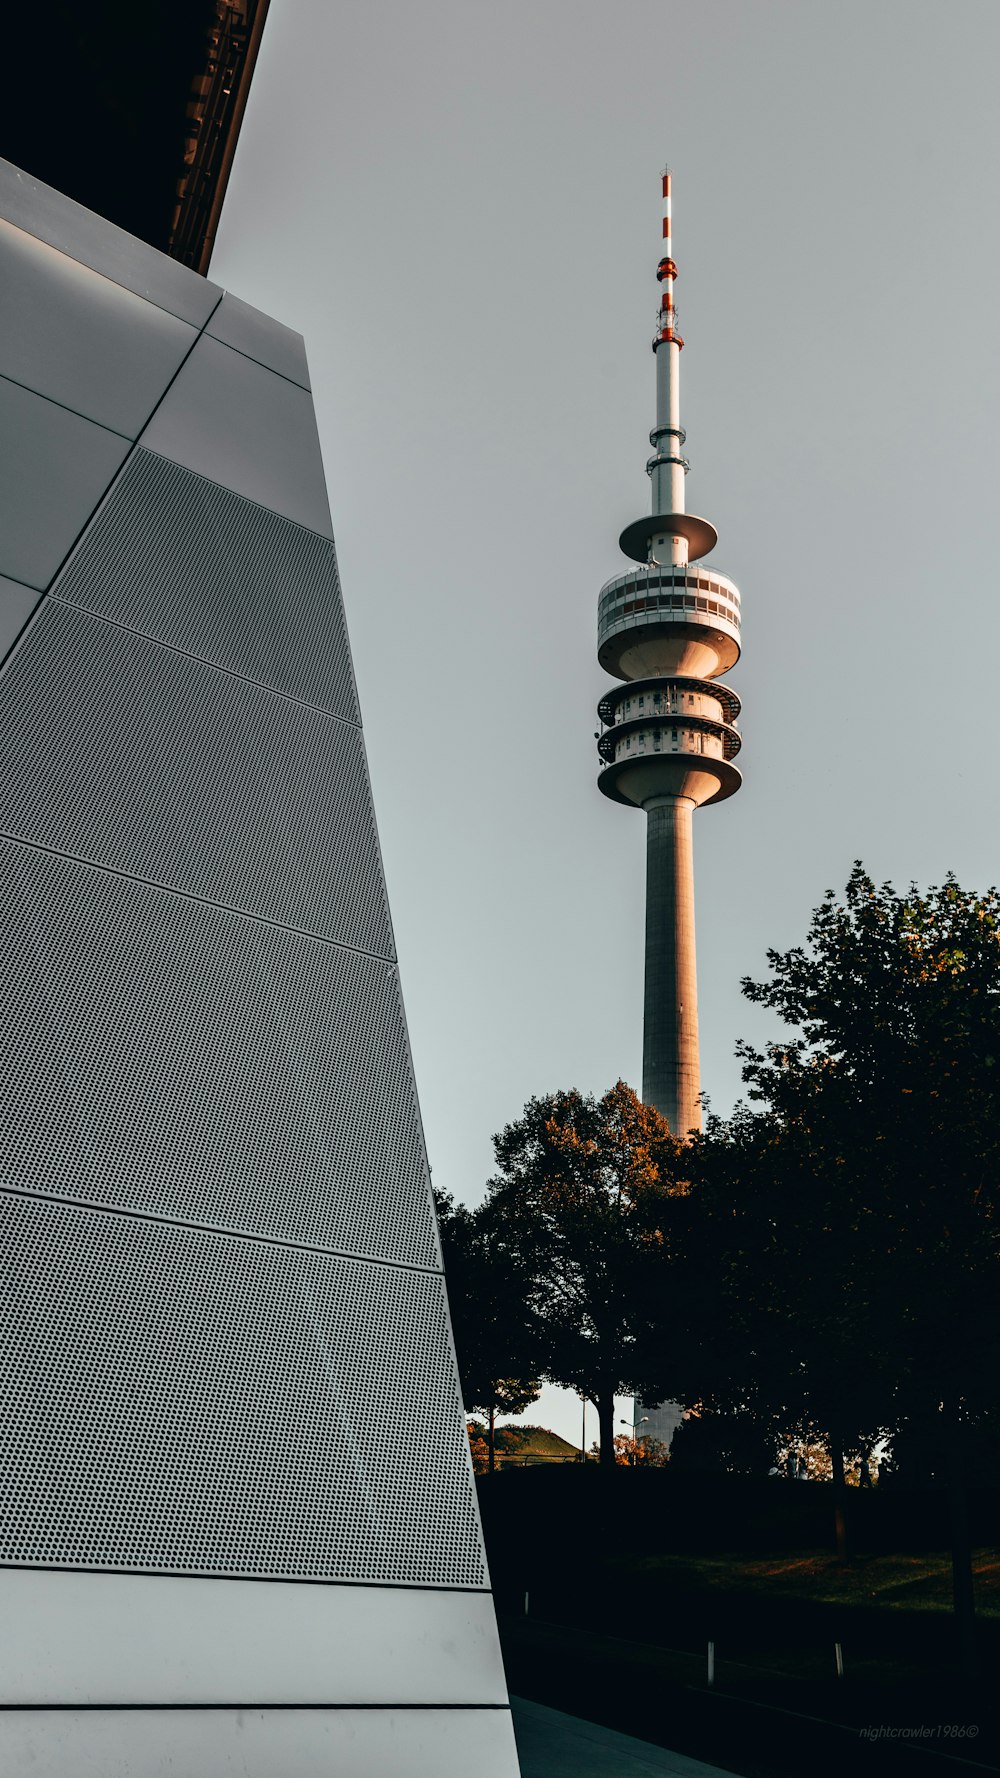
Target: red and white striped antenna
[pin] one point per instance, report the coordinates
(666, 271)
(668, 468)
(671, 534)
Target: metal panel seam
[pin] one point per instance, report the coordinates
(245, 678)
(244, 1580)
(29, 620)
(41, 396)
(215, 1228)
(225, 907)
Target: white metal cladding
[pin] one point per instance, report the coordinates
(164, 1055)
(56, 467)
(257, 1742)
(226, 1367)
(95, 242)
(68, 1637)
(260, 337)
(132, 755)
(68, 333)
(194, 1403)
(228, 417)
(189, 563)
(16, 605)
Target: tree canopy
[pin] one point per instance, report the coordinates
(499, 1345)
(581, 1188)
(848, 1218)
(874, 1163)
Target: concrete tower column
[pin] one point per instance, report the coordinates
(671, 1076)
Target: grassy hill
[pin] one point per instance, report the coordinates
(538, 1446)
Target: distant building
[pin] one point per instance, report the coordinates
(659, 1422)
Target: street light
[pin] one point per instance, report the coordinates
(635, 1436)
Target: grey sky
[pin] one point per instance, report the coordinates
(458, 205)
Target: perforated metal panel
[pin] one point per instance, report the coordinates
(132, 755)
(189, 563)
(185, 1402)
(164, 1055)
(224, 1343)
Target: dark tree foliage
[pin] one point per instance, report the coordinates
(498, 1341)
(849, 1220)
(886, 1107)
(714, 1437)
(582, 1191)
(779, 1301)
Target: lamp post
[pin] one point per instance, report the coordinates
(634, 1423)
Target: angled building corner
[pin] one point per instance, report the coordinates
(241, 1532)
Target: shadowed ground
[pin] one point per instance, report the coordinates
(551, 1744)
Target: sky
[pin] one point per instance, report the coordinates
(458, 205)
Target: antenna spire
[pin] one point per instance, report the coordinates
(668, 468)
(666, 271)
(671, 535)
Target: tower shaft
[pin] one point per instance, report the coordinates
(671, 1076)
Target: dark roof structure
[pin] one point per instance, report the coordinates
(133, 108)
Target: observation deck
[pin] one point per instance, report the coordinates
(703, 697)
(669, 737)
(660, 619)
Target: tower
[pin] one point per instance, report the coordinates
(668, 629)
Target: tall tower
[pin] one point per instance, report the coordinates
(668, 630)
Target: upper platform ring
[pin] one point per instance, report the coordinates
(701, 536)
(683, 682)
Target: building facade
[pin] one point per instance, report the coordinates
(240, 1532)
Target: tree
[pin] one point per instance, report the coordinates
(508, 1443)
(784, 1332)
(581, 1191)
(478, 1448)
(497, 1340)
(640, 1453)
(868, 1182)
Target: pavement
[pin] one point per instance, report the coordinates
(551, 1744)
